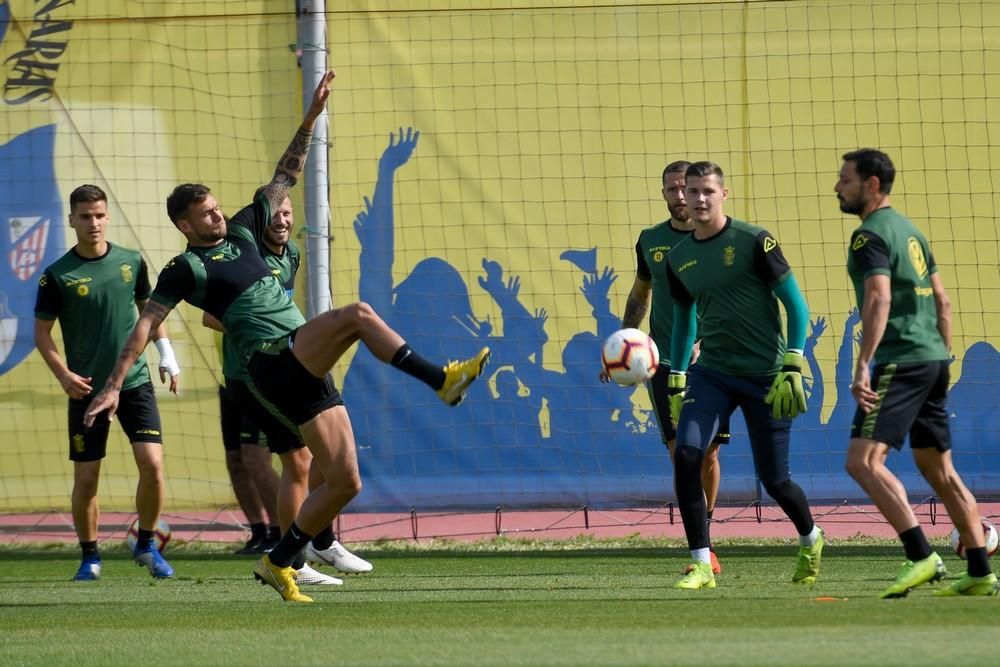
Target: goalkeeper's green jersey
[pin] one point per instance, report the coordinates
(730, 278)
(651, 258)
(95, 303)
(889, 244)
(232, 282)
(283, 267)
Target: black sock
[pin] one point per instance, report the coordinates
(258, 531)
(89, 549)
(299, 561)
(273, 533)
(413, 364)
(145, 539)
(915, 544)
(708, 527)
(323, 539)
(979, 562)
(289, 546)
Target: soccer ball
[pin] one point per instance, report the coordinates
(630, 357)
(989, 531)
(161, 536)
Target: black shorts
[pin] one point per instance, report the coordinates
(656, 387)
(279, 437)
(285, 388)
(912, 399)
(137, 413)
(237, 428)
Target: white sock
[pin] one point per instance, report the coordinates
(701, 555)
(810, 539)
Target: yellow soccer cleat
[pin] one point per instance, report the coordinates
(699, 575)
(969, 585)
(913, 574)
(281, 579)
(807, 566)
(458, 375)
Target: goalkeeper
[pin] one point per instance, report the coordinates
(735, 273)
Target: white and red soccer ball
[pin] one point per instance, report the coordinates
(161, 535)
(989, 532)
(630, 357)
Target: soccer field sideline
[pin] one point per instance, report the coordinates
(226, 525)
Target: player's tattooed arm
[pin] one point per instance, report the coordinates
(290, 166)
(106, 401)
(637, 305)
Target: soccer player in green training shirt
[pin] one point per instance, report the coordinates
(223, 273)
(650, 285)
(730, 275)
(906, 320)
(281, 255)
(94, 290)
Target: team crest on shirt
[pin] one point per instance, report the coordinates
(729, 255)
(658, 256)
(916, 252)
(126, 273)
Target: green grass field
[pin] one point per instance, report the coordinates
(502, 602)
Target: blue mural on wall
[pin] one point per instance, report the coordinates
(537, 433)
(31, 235)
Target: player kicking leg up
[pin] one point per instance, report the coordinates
(291, 377)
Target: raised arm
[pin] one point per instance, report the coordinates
(150, 319)
(293, 160)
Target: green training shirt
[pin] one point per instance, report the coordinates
(283, 267)
(887, 243)
(232, 282)
(95, 303)
(730, 277)
(651, 257)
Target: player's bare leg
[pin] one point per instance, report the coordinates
(293, 485)
(322, 341)
(265, 481)
(866, 464)
(939, 471)
(86, 476)
(149, 505)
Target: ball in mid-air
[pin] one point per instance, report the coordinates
(630, 357)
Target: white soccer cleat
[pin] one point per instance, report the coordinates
(339, 557)
(306, 576)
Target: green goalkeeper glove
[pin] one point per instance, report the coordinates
(787, 398)
(676, 386)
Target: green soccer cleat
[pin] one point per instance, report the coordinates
(699, 575)
(807, 569)
(967, 585)
(281, 579)
(458, 375)
(913, 574)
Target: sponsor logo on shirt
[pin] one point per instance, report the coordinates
(769, 244)
(917, 259)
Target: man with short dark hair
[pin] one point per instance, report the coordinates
(730, 275)
(289, 359)
(650, 287)
(95, 291)
(906, 336)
